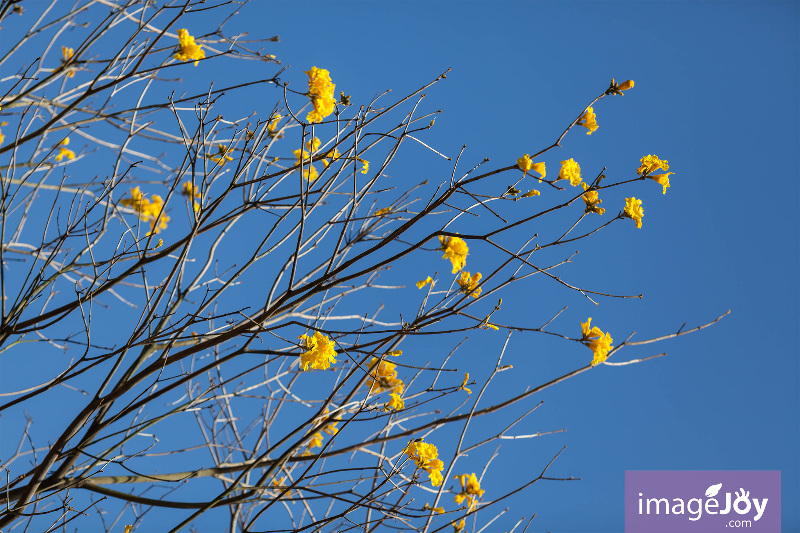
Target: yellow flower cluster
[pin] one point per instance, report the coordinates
(319, 354)
(651, 163)
(470, 490)
(633, 209)
(320, 91)
(596, 340)
(148, 210)
(591, 199)
(221, 157)
(456, 250)
(426, 456)
(570, 170)
(588, 120)
(384, 377)
(64, 152)
(191, 192)
(66, 57)
(395, 403)
(526, 164)
(469, 284)
(188, 49)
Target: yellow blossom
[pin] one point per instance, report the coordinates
(332, 155)
(191, 192)
(625, 85)
(526, 164)
(591, 199)
(464, 383)
(395, 403)
(272, 126)
(188, 49)
(330, 426)
(570, 170)
(662, 179)
(315, 442)
(319, 354)
(615, 88)
(427, 507)
(532, 192)
(456, 250)
(128, 529)
(426, 281)
(309, 172)
(588, 120)
(651, 163)
(64, 152)
(395, 353)
(469, 284)
(458, 527)
(312, 145)
(365, 165)
(382, 211)
(320, 91)
(426, 457)
(66, 57)
(596, 340)
(222, 156)
(148, 210)
(384, 377)
(633, 209)
(470, 490)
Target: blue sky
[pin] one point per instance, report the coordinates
(716, 94)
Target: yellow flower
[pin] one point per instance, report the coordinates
(459, 526)
(332, 155)
(128, 529)
(330, 426)
(384, 377)
(319, 354)
(65, 152)
(320, 91)
(662, 179)
(470, 490)
(532, 192)
(191, 192)
(66, 57)
(382, 211)
(395, 353)
(633, 209)
(651, 163)
(426, 281)
(395, 403)
(148, 210)
(597, 341)
(272, 127)
(591, 199)
(625, 85)
(365, 167)
(464, 383)
(189, 50)
(315, 442)
(312, 145)
(309, 172)
(469, 284)
(427, 507)
(426, 457)
(222, 156)
(456, 250)
(588, 120)
(526, 164)
(570, 170)
(615, 88)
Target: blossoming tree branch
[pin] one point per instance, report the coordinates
(251, 316)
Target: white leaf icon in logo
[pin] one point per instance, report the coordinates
(713, 490)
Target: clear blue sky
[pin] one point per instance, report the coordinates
(717, 95)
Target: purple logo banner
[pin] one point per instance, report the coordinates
(669, 501)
